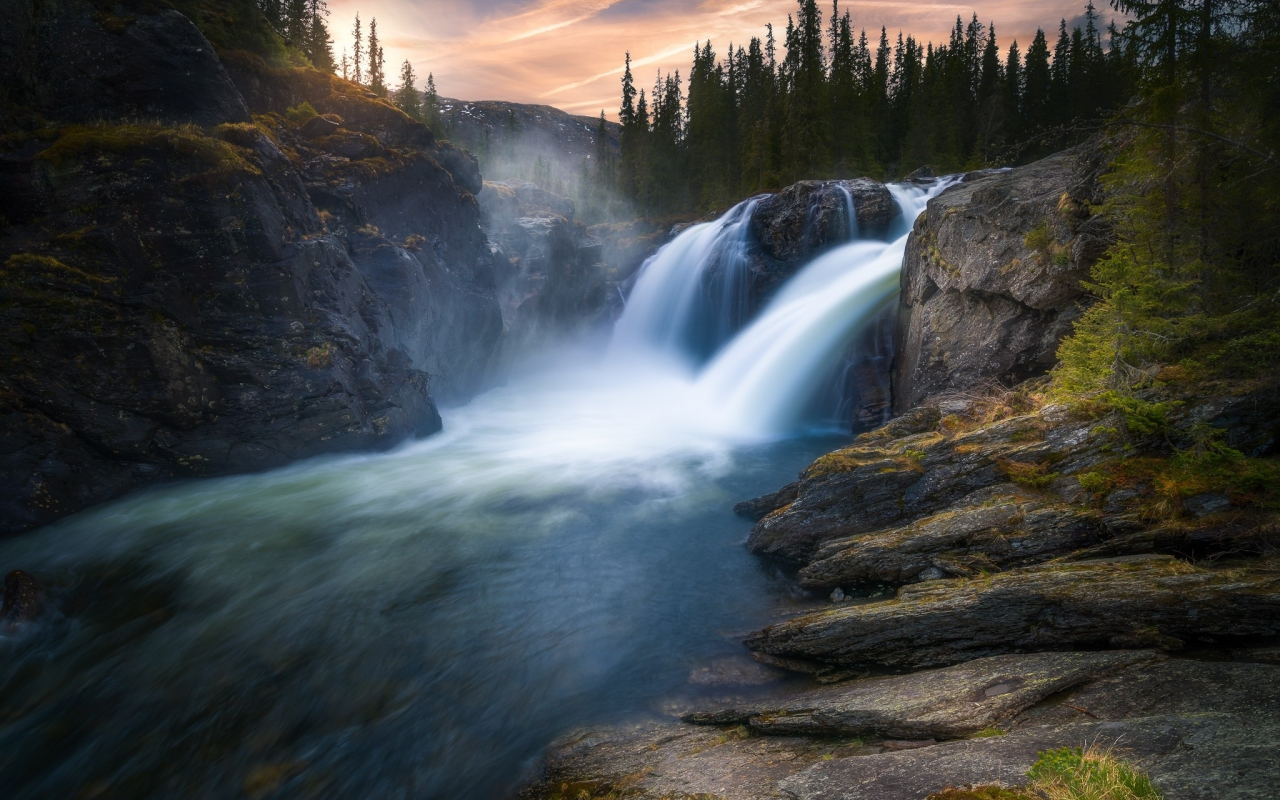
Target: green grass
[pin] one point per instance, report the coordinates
(1074, 773)
(1071, 773)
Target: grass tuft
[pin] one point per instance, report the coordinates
(1092, 773)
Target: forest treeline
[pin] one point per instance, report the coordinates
(835, 103)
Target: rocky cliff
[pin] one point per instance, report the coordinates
(991, 280)
(551, 274)
(217, 288)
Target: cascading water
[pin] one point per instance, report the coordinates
(691, 296)
(850, 212)
(422, 623)
(761, 383)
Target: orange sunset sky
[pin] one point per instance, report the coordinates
(569, 53)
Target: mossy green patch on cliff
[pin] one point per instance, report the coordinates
(140, 140)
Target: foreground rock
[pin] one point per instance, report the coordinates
(939, 704)
(1139, 601)
(991, 280)
(990, 530)
(908, 471)
(1203, 730)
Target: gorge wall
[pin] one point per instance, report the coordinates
(991, 279)
(194, 284)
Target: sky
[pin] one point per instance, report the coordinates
(569, 53)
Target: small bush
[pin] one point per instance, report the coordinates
(1032, 476)
(1074, 773)
(301, 112)
(1040, 238)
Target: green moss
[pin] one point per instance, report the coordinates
(987, 733)
(138, 140)
(1031, 475)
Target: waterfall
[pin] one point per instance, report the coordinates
(691, 296)
(763, 379)
(850, 213)
(763, 382)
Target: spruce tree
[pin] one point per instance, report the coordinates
(357, 59)
(377, 76)
(406, 97)
(431, 105)
(1036, 83)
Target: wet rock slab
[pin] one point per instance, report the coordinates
(1131, 602)
(938, 704)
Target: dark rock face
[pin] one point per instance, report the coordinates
(189, 301)
(23, 599)
(551, 274)
(991, 280)
(1138, 601)
(70, 62)
(809, 216)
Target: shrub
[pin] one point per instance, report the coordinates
(301, 112)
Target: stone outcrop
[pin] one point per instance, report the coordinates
(992, 277)
(811, 216)
(202, 294)
(1134, 601)
(1202, 730)
(882, 482)
(551, 275)
(938, 704)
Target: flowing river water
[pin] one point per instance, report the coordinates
(422, 623)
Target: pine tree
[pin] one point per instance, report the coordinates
(431, 106)
(357, 75)
(406, 97)
(1036, 83)
(377, 76)
(319, 47)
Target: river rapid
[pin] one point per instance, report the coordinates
(422, 623)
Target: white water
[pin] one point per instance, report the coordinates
(691, 295)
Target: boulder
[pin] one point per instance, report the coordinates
(320, 125)
(810, 216)
(991, 282)
(1137, 601)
